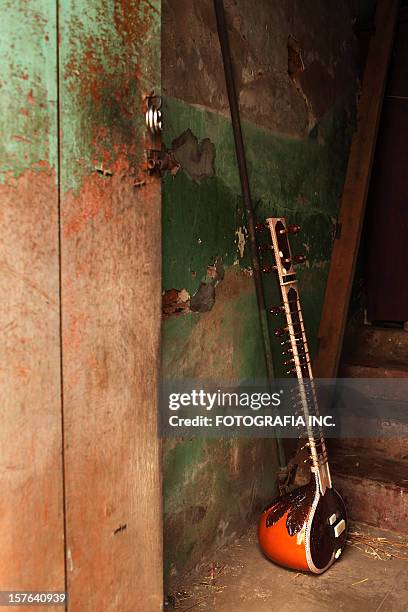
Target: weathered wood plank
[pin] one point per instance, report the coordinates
(355, 191)
(111, 292)
(31, 506)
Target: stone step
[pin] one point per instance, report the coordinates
(395, 449)
(393, 439)
(377, 347)
(350, 370)
(374, 487)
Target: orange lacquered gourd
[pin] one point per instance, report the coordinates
(304, 530)
(279, 546)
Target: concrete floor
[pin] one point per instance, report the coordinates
(245, 581)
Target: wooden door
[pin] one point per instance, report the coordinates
(111, 293)
(31, 483)
(80, 304)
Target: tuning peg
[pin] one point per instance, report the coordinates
(263, 248)
(288, 352)
(291, 372)
(268, 269)
(299, 259)
(277, 310)
(279, 331)
(288, 361)
(260, 227)
(291, 229)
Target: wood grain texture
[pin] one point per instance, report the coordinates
(111, 294)
(355, 191)
(31, 501)
(31, 511)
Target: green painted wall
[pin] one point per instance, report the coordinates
(300, 179)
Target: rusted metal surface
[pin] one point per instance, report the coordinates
(31, 507)
(111, 294)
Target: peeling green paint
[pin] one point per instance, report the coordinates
(28, 87)
(300, 179)
(101, 104)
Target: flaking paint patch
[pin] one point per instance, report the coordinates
(204, 298)
(201, 354)
(175, 302)
(184, 295)
(241, 240)
(196, 158)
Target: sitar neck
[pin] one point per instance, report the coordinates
(295, 346)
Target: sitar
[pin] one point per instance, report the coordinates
(305, 529)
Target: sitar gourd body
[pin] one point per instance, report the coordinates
(306, 529)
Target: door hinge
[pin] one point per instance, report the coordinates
(158, 158)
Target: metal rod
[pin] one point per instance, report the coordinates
(246, 195)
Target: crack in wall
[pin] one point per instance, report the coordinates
(296, 67)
